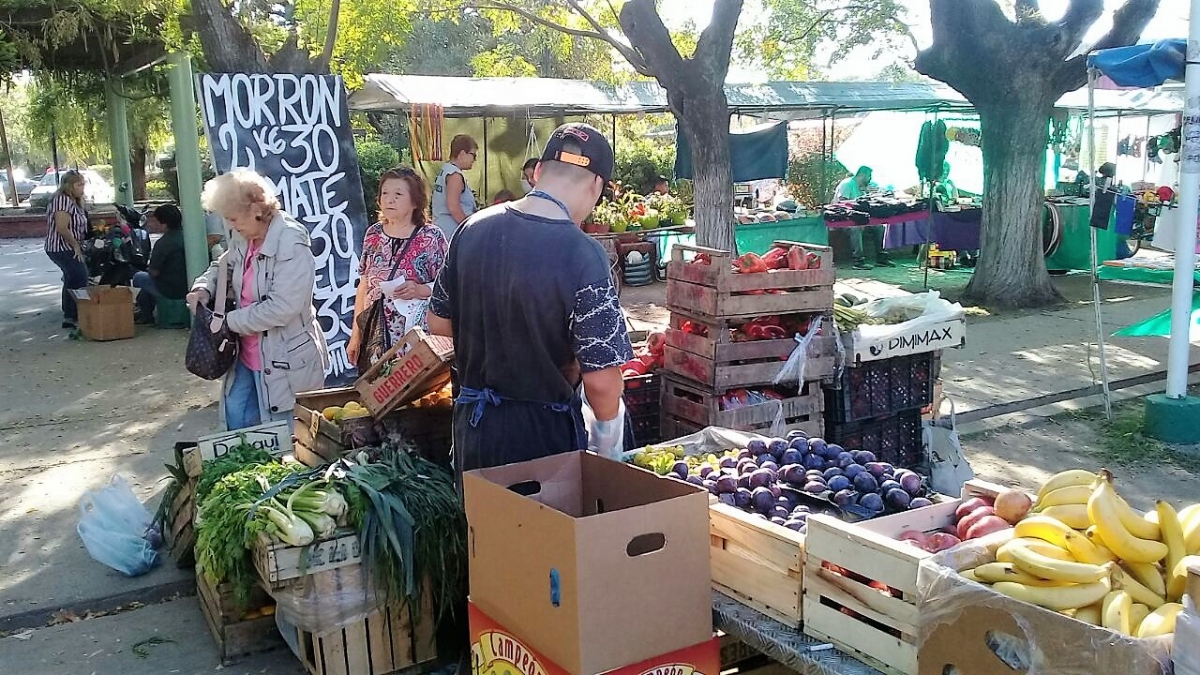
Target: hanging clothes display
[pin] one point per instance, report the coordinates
(426, 122)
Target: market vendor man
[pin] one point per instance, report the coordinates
(849, 190)
(530, 326)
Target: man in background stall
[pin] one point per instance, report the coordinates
(849, 190)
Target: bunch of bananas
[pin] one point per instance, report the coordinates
(1085, 552)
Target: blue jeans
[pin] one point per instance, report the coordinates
(148, 294)
(74, 277)
(241, 404)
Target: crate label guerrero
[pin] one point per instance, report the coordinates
(399, 376)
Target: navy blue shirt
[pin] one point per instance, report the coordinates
(532, 305)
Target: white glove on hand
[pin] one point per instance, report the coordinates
(605, 438)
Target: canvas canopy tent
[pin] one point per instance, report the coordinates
(1147, 66)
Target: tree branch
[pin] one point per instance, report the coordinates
(629, 54)
(715, 45)
(1027, 10)
(331, 32)
(228, 46)
(1128, 23)
(1069, 31)
(650, 38)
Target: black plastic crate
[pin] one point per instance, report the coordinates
(877, 388)
(642, 404)
(895, 439)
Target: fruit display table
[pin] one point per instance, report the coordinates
(788, 646)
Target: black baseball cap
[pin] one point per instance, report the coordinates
(595, 153)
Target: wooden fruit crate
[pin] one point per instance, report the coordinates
(713, 290)
(687, 401)
(842, 559)
(179, 530)
(757, 563)
(280, 565)
(384, 642)
(717, 361)
(237, 630)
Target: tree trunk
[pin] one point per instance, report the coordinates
(704, 120)
(1012, 270)
(137, 168)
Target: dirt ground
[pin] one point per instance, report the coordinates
(1146, 470)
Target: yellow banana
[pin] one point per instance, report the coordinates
(969, 575)
(1072, 515)
(1136, 616)
(1085, 550)
(1188, 512)
(1057, 598)
(1072, 494)
(1126, 582)
(1104, 511)
(1043, 527)
(1137, 524)
(1191, 529)
(1066, 479)
(1089, 614)
(1004, 553)
(1045, 567)
(1006, 571)
(1147, 575)
(1161, 621)
(1181, 568)
(1116, 610)
(1172, 536)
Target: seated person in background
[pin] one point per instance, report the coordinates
(166, 275)
(504, 196)
(527, 179)
(215, 225)
(662, 186)
(850, 190)
(945, 192)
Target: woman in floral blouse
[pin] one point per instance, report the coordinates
(402, 245)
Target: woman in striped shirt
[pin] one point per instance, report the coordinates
(67, 225)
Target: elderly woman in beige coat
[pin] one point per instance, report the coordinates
(281, 350)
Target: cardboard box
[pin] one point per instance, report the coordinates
(495, 651)
(969, 626)
(596, 564)
(274, 437)
(105, 313)
(918, 340)
(417, 365)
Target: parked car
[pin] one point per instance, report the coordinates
(25, 186)
(97, 190)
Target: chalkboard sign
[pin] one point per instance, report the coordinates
(295, 130)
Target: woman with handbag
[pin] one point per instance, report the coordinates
(402, 255)
(271, 271)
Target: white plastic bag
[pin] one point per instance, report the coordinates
(115, 527)
(949, 467)
(605, 438)
(793, 369)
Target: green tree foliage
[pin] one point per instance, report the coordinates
(788, 35)
(374, 157)
(466, 42)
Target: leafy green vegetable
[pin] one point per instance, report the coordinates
(225, 532)
(239, 457)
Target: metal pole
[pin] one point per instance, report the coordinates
(1185, 236)
(1145, 151)
(485, 163)
(54, 153)
(187, 163)
(118, 137)
(1092, 76)
(12, 182)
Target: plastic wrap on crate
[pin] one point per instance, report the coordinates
(715, 440)
(784, 644)
(328, 601)
(1045, 643)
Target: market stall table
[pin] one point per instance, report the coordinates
(788, 646)
(952, 231)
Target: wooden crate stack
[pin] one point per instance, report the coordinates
(238, 628)
(179, 528)
(700, 369)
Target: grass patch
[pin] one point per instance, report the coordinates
(1121, 441)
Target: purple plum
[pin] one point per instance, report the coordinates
(817, 445)
(762, 500)
(741, 498)
(727, 485)
(769, 465)
(728, 462)
(796, 433)
(812, 461)
(762, 478)
(875, 468)
(777, 520)
(704, 470)
(756, 447)
(886, 485)
(844, 497)
(780, 512)
(853, 470)
(799, 444)
(726, 498)
(765, 457)
(919, 502)
(830, 473)
(865, 482)
(776, 446)
(743, 480)
(796, 525)
(865, 456)
(871, 501)
(897, 499)
(815, 487)
(695, 480)
(791, 456)
(839, 483)
(775, 491)
(711, 485)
